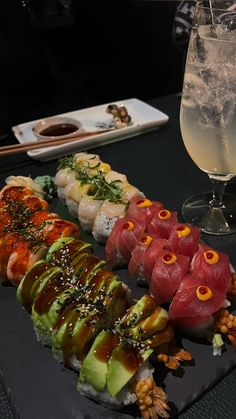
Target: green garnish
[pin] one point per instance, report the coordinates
(47, 184)
(103, 190)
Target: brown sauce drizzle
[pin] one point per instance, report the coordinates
(105, 347)
(31, 283)
(83, 337)
(70, 317)
(47, 296)
(148, 324)
(66, 254)
(129, 357)
(163, 336)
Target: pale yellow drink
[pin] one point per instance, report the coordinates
(208, 106)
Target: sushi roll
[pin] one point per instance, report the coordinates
(162, 223)
(58, 228)
(184, 239)
(26, 182)
(194, 305)
(122, 240)
(87, 212)
(77, 272)
(64, 177)
(128, 191)
(113, 176)
(33, 282)
(74, 192)
(7, 243)
(105, 219)
(143, 257)
(143, 209)
(65, 251)
(118, 358)
(11, 193)
(24, 254)
(213, 266)
(87, 158)
(167, 275)
(26, 231)
(97, 305)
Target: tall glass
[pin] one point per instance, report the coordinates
(208, 116)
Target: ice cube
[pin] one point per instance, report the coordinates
(219, 110)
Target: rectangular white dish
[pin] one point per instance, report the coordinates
(144, 118)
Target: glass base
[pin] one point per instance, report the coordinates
(197, 211)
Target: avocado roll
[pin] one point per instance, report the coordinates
(70, 283)
(118, 358)
(98, 304)
(65, 250)
(34, 281)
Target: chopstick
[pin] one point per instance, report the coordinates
(33, 145)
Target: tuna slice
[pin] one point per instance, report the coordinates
(184, 239)
(194, 303)
(212, 267)
(167, 274)
(162, 223)
(122, 240)
(143, 209)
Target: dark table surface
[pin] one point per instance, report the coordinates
(157, 163)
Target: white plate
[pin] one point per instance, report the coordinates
(144, 118)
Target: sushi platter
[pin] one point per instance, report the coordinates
(143, 118)
(136, 309)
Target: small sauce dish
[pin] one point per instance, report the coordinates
(56, 127)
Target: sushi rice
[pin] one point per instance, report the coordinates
(125, 397)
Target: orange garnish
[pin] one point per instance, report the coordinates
(128, 225)
(211, 257)
(146, 240)
(183, 231)
(164, 214)
(204, 293)
(142, 203)
(169, 258)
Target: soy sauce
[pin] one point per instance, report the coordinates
(59, 129)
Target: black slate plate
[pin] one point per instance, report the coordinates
(42, 388)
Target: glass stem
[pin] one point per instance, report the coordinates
(218, 187)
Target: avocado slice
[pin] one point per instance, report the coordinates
(144, 321)
(47, 307)
(123, 364)
(57, 245)
(34, 281)
(155, 322)
(65, 250)
(81, 322)
(138, 311)
(95, 365)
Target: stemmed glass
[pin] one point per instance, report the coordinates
(208, 115)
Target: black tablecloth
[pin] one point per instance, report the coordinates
(158, 164)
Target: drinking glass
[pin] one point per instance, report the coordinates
(208, 115)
